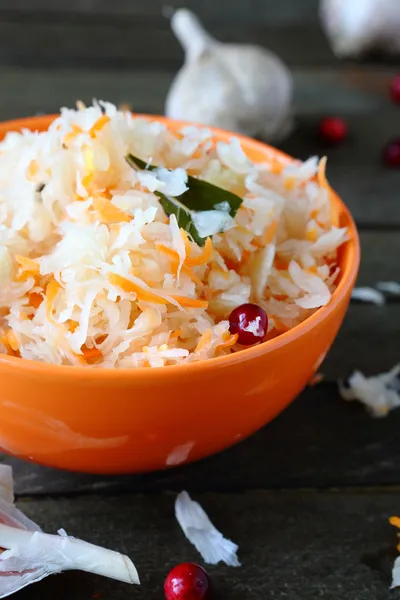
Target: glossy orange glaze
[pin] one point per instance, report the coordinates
(128, 421)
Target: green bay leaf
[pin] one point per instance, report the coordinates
(200, 197)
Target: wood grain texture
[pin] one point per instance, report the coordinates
(251, 11)
(367, 341)
(375, 265)
(290, 544)
(79, 40)
(353, 92)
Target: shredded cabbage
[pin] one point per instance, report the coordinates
(92, 271)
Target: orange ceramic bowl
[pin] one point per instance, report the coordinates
(130, 421)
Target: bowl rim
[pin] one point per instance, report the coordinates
(348, 277)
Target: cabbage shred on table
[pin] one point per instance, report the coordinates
(28, 555)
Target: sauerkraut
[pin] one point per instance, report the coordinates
(94, 273)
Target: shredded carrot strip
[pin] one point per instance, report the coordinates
(220, 271)
(35, 299)
(89, 158)
(270, 232)
(175, 334)
(231, 341)
(204, 341)
(289, 183)
(108, 212)
(72, 325)
(321, 176)
(243, 230)
(133, 288)
(280, 297)
(27, 268)
(175, 260)
(91, 354)
(267, 237)
(100, 123)
(32, 170)
(312, 270)
(314, 214)
(87, 180)
(147, 296)
(27, 264)
(280, 264)
(323, 182)
(71, 135)
(276, 167)
(51, 293)
(190, 302)
(191, 274)
(11, 340)
(173, 254)
(279, 326)
(312, 235)
(203, 257)
(186, 241)
(395, 521)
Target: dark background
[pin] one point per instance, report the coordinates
(124, 50)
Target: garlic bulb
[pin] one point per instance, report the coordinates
(242, 88)
(355, 27)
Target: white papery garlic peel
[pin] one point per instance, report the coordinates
(242, 88)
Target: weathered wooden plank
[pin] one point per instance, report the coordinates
(355, 93)
(129, 41)
(251, 11)
(367, 341)
(344, 89)
(379, 251)
(320, 441)
(370, 191)
(298, 545)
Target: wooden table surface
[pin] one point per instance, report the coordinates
(307, 498)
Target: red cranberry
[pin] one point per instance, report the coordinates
(187, 581)
(391, 153)
(395, 89)
(333, 130)
(250, 322)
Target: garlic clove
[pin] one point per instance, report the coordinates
(355, 28)
(241, 88)
(191, 35)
